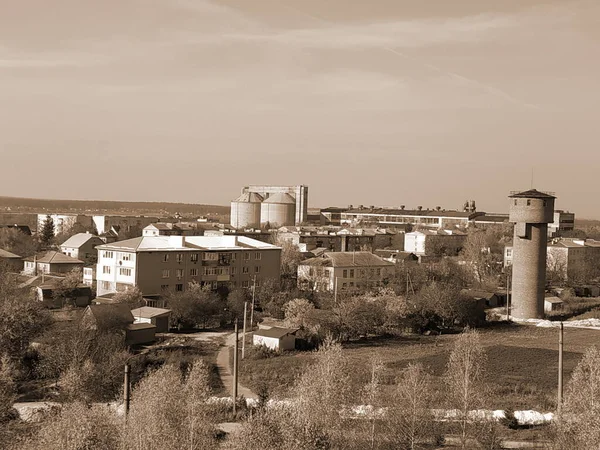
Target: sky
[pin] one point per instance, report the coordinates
(379, 102)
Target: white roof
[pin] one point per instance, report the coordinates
(77, 240)
(187, 243)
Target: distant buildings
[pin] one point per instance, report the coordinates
(104, 223)
(343, 270)
(564, 221)
(159, 264)
(434, 242)
(51, 262)
(273, 206)
(64, 222)
(82, 246)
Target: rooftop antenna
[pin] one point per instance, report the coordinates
(532, 178)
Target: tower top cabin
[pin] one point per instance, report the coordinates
(531, 206)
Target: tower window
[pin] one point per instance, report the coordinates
(528, 202)
(544, 202)
(515, 202)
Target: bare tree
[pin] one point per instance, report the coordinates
(464, 381)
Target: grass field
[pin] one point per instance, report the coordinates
(522, 363)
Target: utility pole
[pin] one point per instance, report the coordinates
(335, 289)
(126, 390)
(252, 309)
(560, 370)
(235, 368)
(244, 331)
(507, 297)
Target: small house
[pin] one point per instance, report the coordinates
(491, 299)
(82, 246)
(552, 304)
(78, 296)
(13, 262)
(51, 262)
(275, 338)
(118, 317)
(158, 317)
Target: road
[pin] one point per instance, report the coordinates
(225, 371)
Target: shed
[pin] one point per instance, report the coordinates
(78, 296)
(140, 333)
(158, 317)
(492, 300)
(552, 304)
(276, 338)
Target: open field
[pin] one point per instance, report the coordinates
(521, 368)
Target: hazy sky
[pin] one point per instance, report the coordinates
(382, 102)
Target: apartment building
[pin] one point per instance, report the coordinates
(337, 239)
(564, 221)
(64, 222)
(434, 242)
(157, 264)
(343, 270)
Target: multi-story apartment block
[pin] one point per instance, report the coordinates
(343, 270)
(563, 221)
(434, 242)
(337, 239)
(157, 264)
(64, 222)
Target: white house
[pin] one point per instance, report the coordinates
(275, 338)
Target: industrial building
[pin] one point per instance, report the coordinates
(158, 264)
(531, 211)
(274, 206)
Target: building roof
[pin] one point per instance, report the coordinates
(275, 332)
(531, 193)
(115, 313)
(249, 197)
(415, 212)
(8, 255)
(148, 312)
(53, 257)
(492, 218)
(474, 293)
(347, 259)
(186, 243)
(553, 300)
(280, 198)
(139, 326)
(77, 240)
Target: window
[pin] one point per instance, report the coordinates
(245, 283)
(179, 257)
(234, 256)
(233, 270)
(124, 271)
(245, 269)
(509, 252)
(179, 274)
(515, 202)
(193, 272)
(164, 287)
(106, 269)
(351, 273)
(528, 202)
(210, 271)
(179, 287)
(166, 257)
(257, 269)
(210, 256)
(378, 272)
(108, 254)
(223, 271)
(345, 274)
(126, 256)
(258, 256)
(106, 285)
(246, 256)
(194, 257)
(166, 273)
(544, 202)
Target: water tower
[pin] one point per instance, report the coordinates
(531, 212)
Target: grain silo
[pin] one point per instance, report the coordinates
(530, 211)
(245, 211)
(278, 210)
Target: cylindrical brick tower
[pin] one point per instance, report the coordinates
(531, 212)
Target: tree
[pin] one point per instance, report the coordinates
(482, 249)
(63, 291)
(296, 312)
(410, 422)
(17, 242)
(7, 388)
(290, 258)
(132, 297)
(464, 381)
(235, 302)
(196, 305)
(579, 425)
(47, 232)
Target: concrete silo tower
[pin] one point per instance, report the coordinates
(531, 212)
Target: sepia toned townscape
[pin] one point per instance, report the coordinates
(434, 283)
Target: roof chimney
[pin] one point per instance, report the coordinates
(420, 208)
(402, 207)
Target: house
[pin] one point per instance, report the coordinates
(490, 299)
(82, 246)
(343, 270)
(158, 264)
(51, 262)
(12, 262)
(158, 317)
(434, 242)
(397, 256)
(89, 275)
(118, 317)
(79, 296)
(106, 224)
(552, 304)
(275, 338)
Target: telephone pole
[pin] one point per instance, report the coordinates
(126, 390)
(507, 297)
(252, 309)
(560, 370)
(235, 368)
(244, 331)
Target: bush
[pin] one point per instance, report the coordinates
(260, 352)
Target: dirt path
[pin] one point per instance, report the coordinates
(225, 371)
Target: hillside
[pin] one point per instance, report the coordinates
(16, 204)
